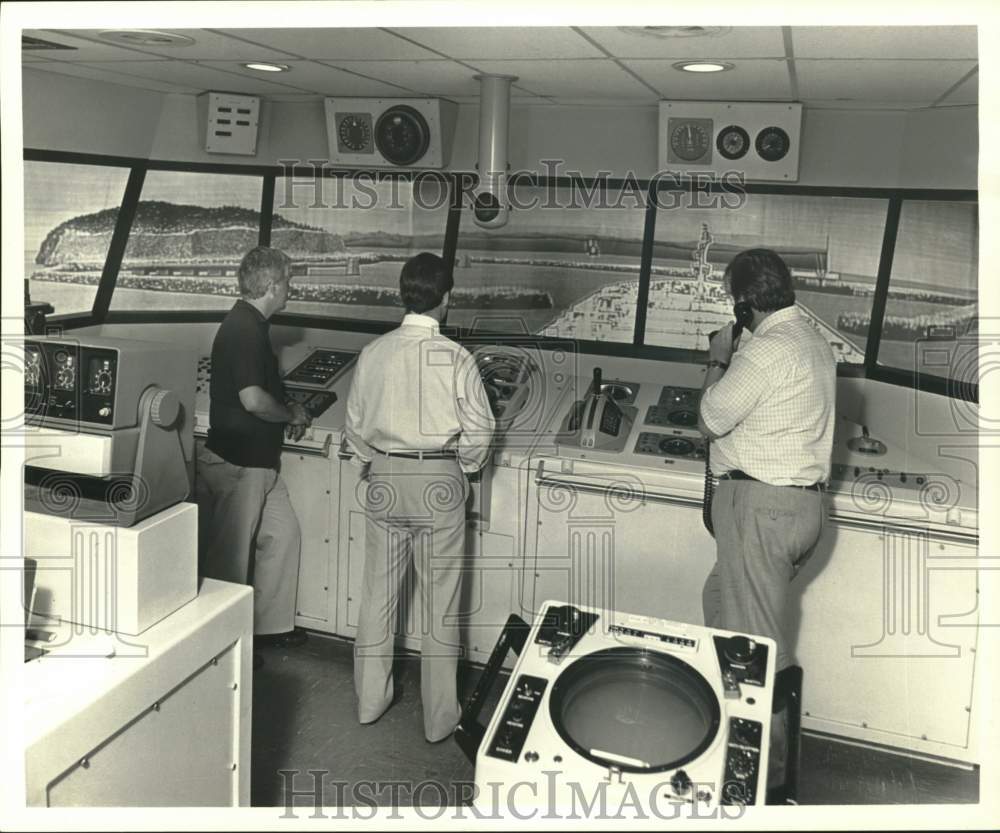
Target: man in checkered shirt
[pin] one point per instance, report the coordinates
(768, 409)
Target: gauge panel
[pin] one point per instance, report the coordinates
(402, 135)
(66, 381)
(772, 144)
(689, 140)
(354, 132)
(733, 142)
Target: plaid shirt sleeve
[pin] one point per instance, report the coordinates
(732, 399)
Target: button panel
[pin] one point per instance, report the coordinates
(513, 728)
(739, 785)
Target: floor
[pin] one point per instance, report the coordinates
(306, 739)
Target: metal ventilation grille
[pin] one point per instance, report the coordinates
(34, 44)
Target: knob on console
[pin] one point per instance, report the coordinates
(739, 649)
(165, 408)
(680, 782)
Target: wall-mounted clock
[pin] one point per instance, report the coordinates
(772, 144)
(733, 142)
(689, 141)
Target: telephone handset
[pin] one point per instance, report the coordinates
(743, 311)
(744, 318)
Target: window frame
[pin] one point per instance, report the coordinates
(101, 313)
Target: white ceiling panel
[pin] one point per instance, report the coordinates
(747, 81)
(878, 80)
(503, 43)
(885, 42)
(193, 76)
(433, 78)
(738, 42)
(965, 93)
(330, 44)
(85, 50)
(316, 78)
(110, 76)
(208, 45)
(579, 79)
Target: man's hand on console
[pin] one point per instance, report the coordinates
(300, 420)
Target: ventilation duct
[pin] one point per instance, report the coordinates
(491, 208)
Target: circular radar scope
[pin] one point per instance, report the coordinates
(402, 135)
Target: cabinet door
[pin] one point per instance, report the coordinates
(615, 553)
(313, 487)
(887, 653)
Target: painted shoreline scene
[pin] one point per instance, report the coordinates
(566, 274)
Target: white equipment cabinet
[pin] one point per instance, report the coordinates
(161, 719)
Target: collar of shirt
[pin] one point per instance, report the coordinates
(777, 317)
(261, 320)
(415, 319)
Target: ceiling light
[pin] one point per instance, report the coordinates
(260, 66)
(702, 66)
(677, 31)
(145, 37)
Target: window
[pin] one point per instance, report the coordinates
(348, 240)
(188, 236)
(70, 213)
(931, 314)
(831, 245)
(566, 265)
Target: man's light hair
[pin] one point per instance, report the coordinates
(260, 268)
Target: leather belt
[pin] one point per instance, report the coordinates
(736, 474)
(419, 455)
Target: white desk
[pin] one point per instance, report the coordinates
(163, 721)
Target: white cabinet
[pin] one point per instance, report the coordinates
(314, 486)
(887, 623)
(599, 543)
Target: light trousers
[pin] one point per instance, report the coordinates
(249, 534)
(415, 513)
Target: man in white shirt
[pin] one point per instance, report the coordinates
(419, 420)
(768, 409)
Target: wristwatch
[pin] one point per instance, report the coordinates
(716, 363)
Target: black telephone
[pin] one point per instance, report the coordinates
(743, 311)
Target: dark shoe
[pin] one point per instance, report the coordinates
(258, 661)
(289, 639)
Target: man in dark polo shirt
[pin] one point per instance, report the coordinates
(249, 533)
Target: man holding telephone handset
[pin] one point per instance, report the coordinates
(768, 409)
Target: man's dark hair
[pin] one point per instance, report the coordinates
(761, 277)
(424, 281)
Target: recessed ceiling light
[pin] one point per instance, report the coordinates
(677, 31)
(145, 37)
(260, 66)
(702, 66)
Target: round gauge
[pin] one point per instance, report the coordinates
(772, 144)
(733, 142)
(355, 133)
(689, 141)
(676, 446)
(402, 135)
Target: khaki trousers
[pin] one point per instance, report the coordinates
(415, 512)
(249, 534)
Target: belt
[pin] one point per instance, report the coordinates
(736, 474)
(419, 455)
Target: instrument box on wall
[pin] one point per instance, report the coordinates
(229, 122)
(390, 133)
(759, 140)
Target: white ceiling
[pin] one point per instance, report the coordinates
(900, 67)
